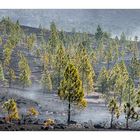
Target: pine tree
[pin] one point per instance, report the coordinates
(1, 41)
(30, 42)
(86, 70)
(71, 88)
(108, 54)
(25, 72)
(1, 73)
(130, 100)
(121, 80)
(103, 80)
(123, 39)
(135, 50)
(45, 60)
(113, 75)
(8, 48)
(98, 34)
(134, 68)
(46, 81)
(106, 37)
(117, 39)
(138, 99)
(15, 34)
(116, 54)
(62, 37)
(60, 62)
(100, 51)
(93, 58)
(114, 110)
(11, 76)
(54, 38)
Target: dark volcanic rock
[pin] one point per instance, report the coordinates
(72, 122)
(86, 125)
(60, 126)
(22, 128)
(2, 121)
(98, 126)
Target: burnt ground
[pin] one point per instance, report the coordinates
(95, 117)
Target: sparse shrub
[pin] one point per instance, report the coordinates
(32, 112)
(10, 107)
(49, 122)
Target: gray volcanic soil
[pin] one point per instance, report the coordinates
(50, 106)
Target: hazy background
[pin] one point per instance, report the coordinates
(114, 21)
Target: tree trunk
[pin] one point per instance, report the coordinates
(108, 64)
(10, 81)
(69, 110)
(83, 79)
(127, 117)
(111, 122)
(87, 87)
(59, 75)
(23, 86)
(121, 99)
(127, 122)
(102, 88)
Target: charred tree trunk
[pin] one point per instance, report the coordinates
(69, 110)
(121, 99)
(127, 121)
(128, 113)
(59, 77)
(108, 64)
(111, 122)
(10, 82)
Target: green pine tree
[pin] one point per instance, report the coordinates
(114, 110)
(60, 62)
(54, 38)
(71, 88)
(99, 33)
(11, 76)
(1, 73)
(134, 68)
(103, 80)
(86, 70)
(25, 72)
(46, 81)
(108, 54)
(130, 101)
(121, 80)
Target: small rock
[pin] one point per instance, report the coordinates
(86, 125)
(36, 122)
(2, 122)
(90, 123)
(72, 122)
(59, 126)
(9, 126)
(98, 126)
(45, 128)
(22, 128)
